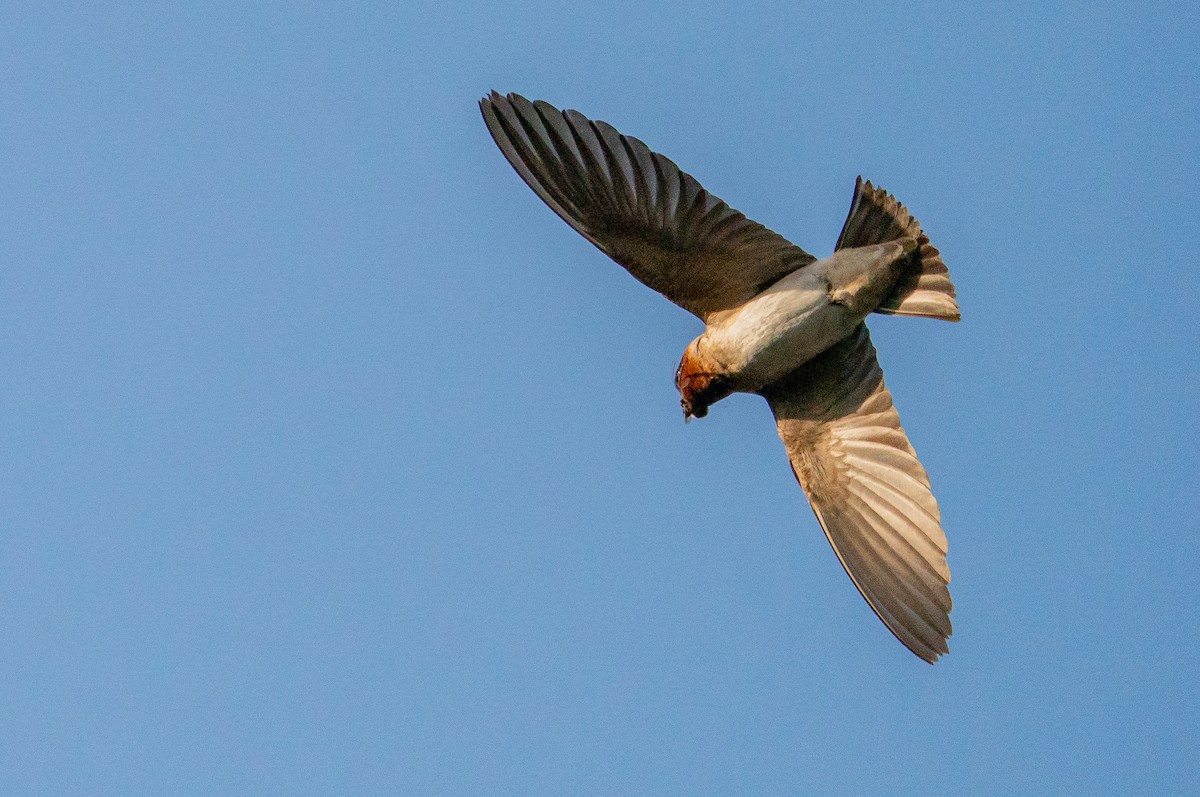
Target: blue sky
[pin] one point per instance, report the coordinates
(334, 463)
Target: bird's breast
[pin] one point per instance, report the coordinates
(786, 325)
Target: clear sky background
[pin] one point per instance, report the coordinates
(332, 462)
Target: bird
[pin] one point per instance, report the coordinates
(779, 322)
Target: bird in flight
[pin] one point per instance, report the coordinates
(779, 322)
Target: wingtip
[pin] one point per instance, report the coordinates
(931, 654)
(487, 109)
(492, 97)
(495, 104)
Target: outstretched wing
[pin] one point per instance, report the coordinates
(868, 490)
(638, 207)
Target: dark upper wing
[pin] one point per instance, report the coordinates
(639, 207)
(868, 490)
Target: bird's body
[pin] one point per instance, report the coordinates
(796, 318)
(778, 322)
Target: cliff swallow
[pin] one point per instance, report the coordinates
(779, 322)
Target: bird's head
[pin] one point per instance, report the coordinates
(700, 383)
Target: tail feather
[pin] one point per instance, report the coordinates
(876, 217)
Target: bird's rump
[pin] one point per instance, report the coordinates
(925, 289)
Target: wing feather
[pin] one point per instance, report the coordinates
(868, 489)
(639, 207)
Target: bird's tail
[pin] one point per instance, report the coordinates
(926, 290)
